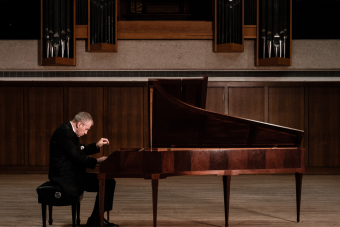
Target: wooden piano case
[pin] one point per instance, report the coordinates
(186, 139)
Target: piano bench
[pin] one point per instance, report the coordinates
(53, 195)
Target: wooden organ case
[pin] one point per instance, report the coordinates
(186, 139)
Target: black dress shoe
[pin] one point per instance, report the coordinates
(93, 222)
(107, 223)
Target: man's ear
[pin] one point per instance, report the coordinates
(78, 124)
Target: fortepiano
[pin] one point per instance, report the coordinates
(186, 139)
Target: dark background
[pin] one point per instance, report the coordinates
(316, 19)
(19, 19)
(312, 19)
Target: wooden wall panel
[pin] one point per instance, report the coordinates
(45, 114)
(286, 106)
(123, 108)
(247, 102)
(88, 99)
(125, 117)
(324, 127)
(215, 99)
(11, 126)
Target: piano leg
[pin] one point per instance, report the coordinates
(101, 200)
(298, 182)
(226, 191)
(154, 200)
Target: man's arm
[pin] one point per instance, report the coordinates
(91, 149)
(75, 154)
(94, 148)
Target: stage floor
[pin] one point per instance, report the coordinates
(255, 200)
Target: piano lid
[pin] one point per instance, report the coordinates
(178, 119)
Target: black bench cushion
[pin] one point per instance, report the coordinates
(52, 194)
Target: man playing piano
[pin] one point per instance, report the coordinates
(69, 160)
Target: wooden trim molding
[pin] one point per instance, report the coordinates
(165, 30)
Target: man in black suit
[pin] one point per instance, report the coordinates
(69, 160)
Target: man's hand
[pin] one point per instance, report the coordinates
(101, 159)
(102, 141)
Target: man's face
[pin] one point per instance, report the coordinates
(82, 128)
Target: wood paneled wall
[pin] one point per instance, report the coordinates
(91, 100)
(12, 126)
(126, 122)
(216, 98)
(312, 107)
(45, 114)
(324, 126)
(247, 102)
(31, 111)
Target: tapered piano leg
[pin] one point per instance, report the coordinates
(154, 200)
(226, 190)
(101, 200)
(298, 182)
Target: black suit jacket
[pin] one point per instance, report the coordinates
(68, 162)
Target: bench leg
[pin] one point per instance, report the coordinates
(74, 208)
(78, 214)
(50, 220)
(43, 210)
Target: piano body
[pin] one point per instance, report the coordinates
(186, 139)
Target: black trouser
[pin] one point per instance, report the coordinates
(92, 185)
